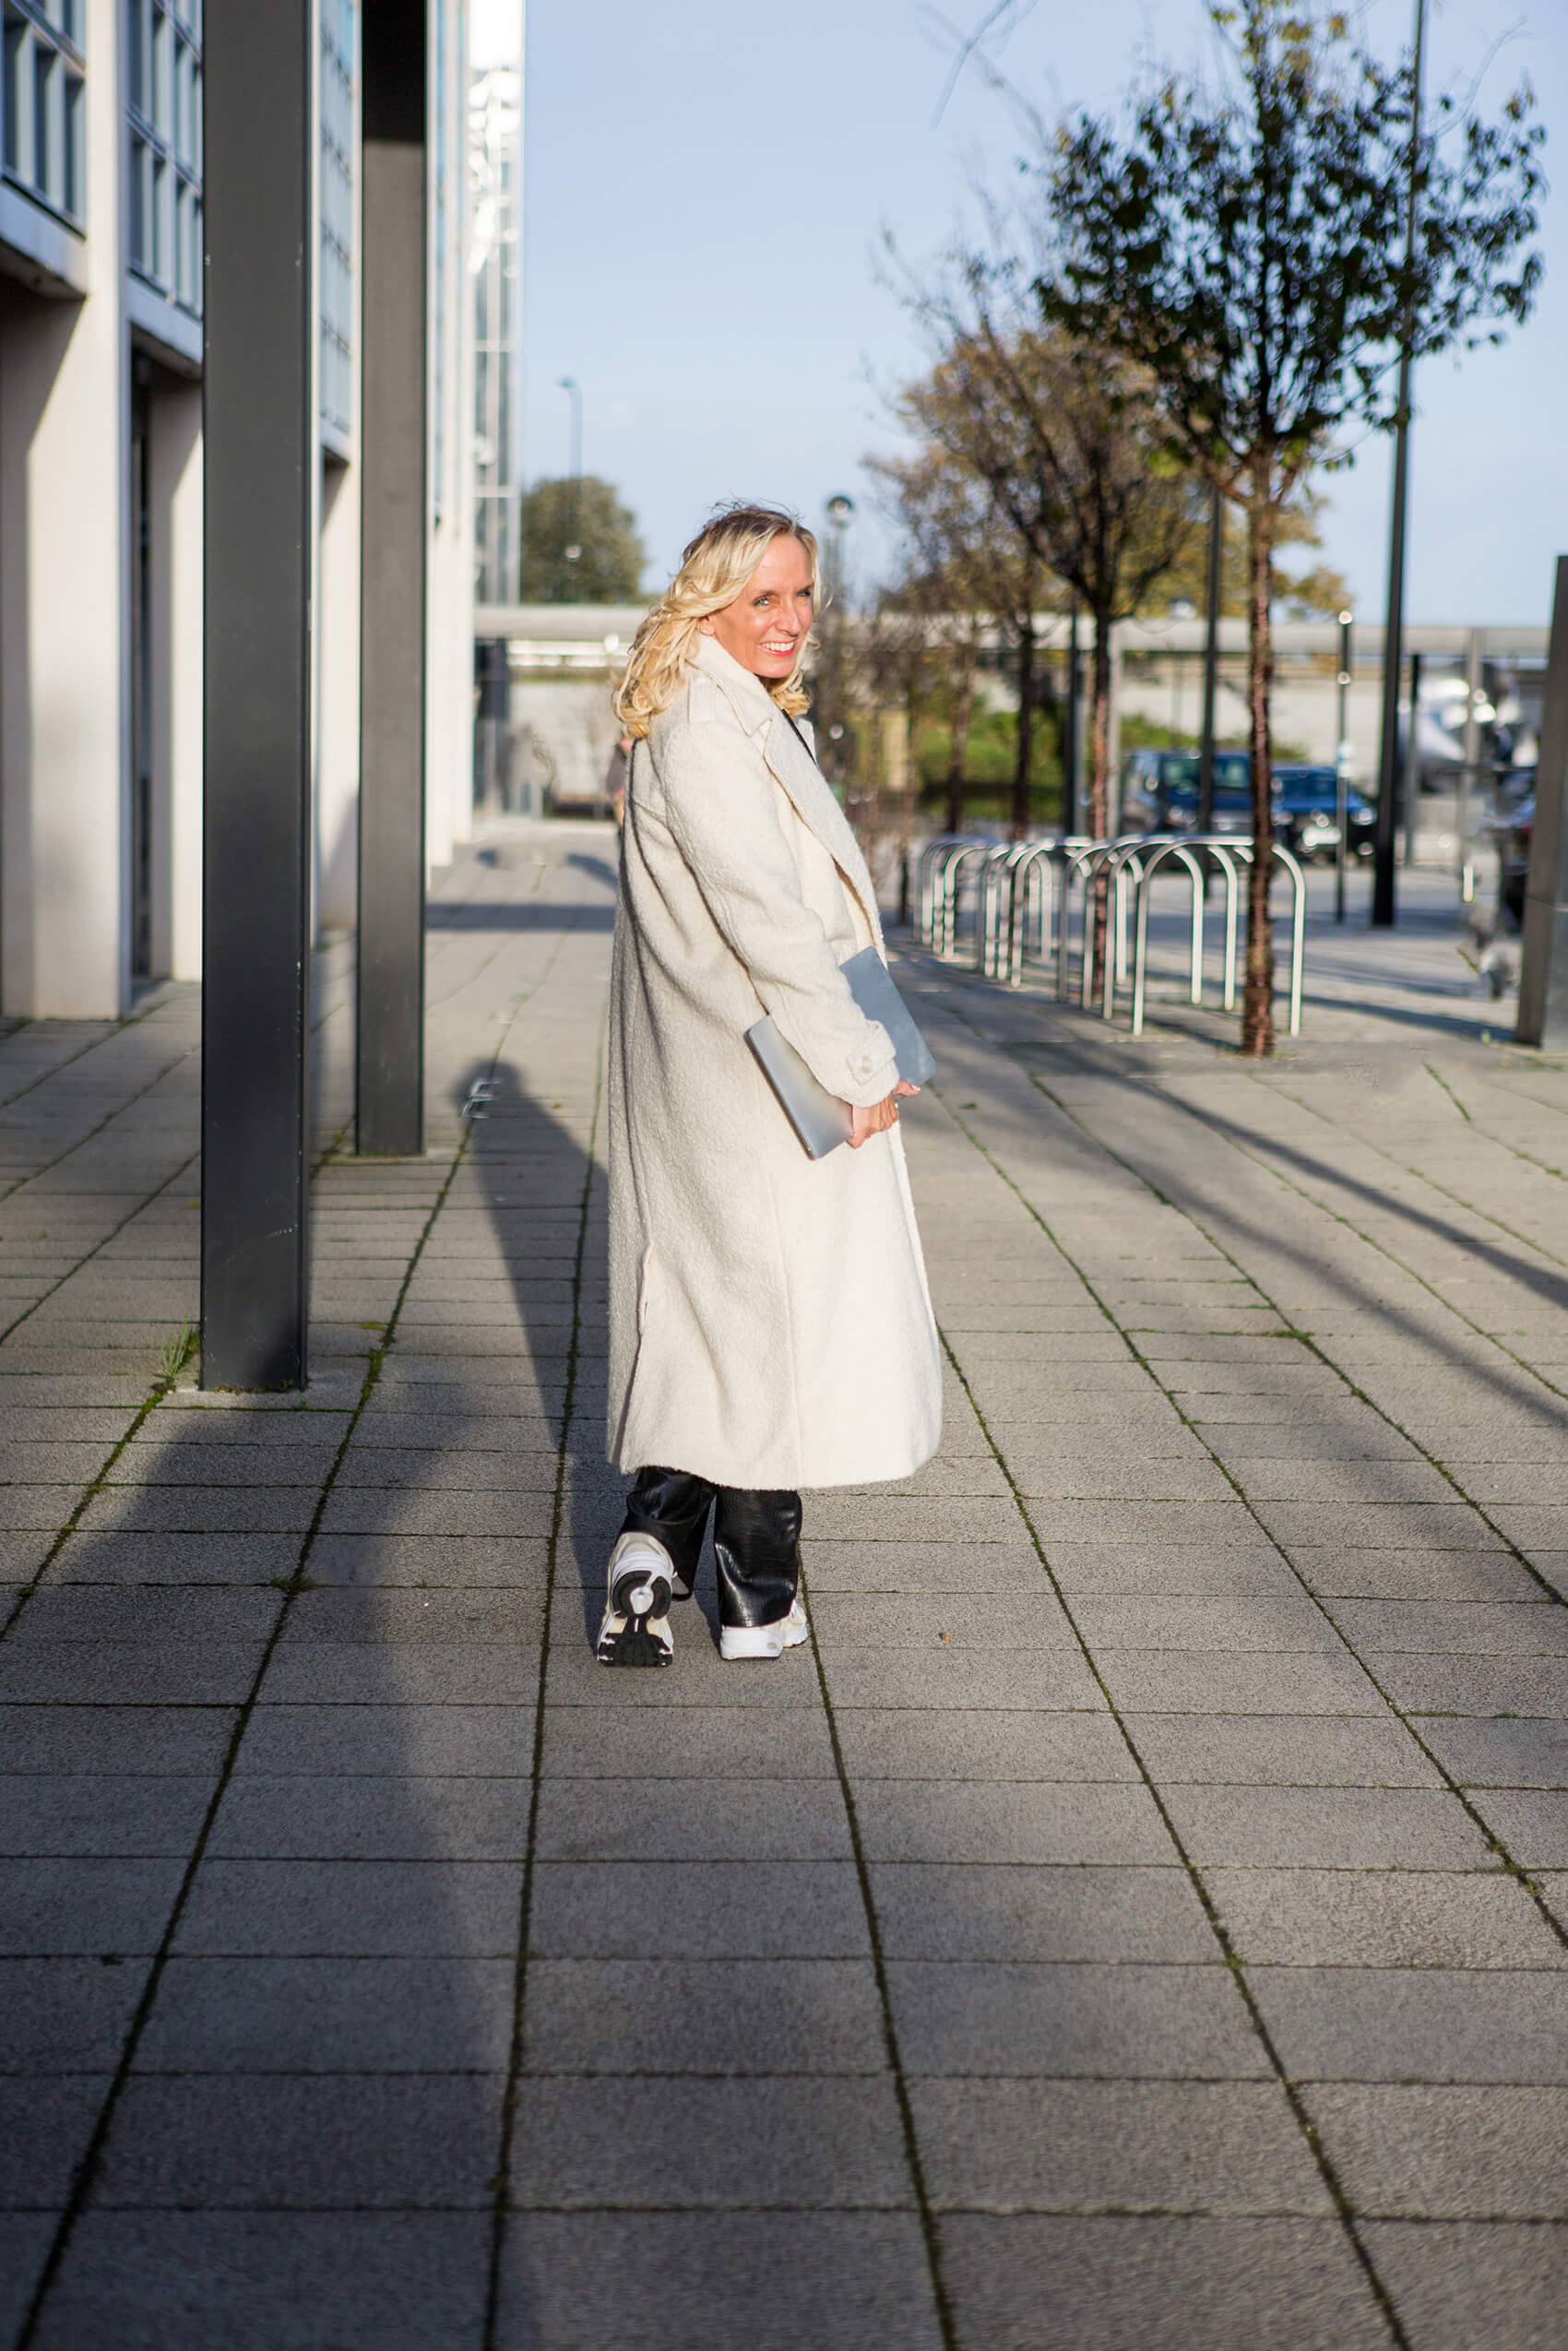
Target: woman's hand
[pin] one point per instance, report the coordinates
(878, 1117)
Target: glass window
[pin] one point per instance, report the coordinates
(164, 39)
(40, 141)
(335, 291)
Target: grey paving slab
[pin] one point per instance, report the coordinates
(67, 2015)
(1086, 2146)
(253, 2281)
(422, 2141)
(44, 2128)
(1531, 1823)
(109, 1814)
(1010, 1820)
(349, 1908)
(1011, 1911)
(1447, 2153)
(390, 1739)
(112, 1739)
(575, 2280)
(1332, 1919)
(1157, 2284)
(948, 1744)
(1323, 1752)
(1462, 2283)
(1409, 2024)
(785, 1743)
(622, 2016)
(1532, 1753)
(329, 2015)
(982, 2017)
(1181, 1682)
(1387, 1828)
(66, 1906)
(698, 1909)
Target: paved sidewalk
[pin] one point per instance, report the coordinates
(1140, 1920)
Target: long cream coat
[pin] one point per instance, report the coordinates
(770, 1321)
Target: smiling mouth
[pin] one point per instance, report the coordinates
(773, 646)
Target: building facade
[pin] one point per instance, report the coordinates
(496, 183)
(101, 488)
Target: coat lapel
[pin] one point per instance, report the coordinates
(793, 768)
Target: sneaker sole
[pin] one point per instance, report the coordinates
(635, 1643)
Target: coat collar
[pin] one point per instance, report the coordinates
(792, 766)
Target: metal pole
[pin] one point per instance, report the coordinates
(1543, 975)
(1410, 772)
(573, 551)
(390, 1048)
(259, 437)
(1382, 909)
(1342, 768)
(1211, 662)
(1472, 759)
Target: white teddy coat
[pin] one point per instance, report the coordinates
(770, 1321)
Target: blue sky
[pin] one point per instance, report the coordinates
(706, 183)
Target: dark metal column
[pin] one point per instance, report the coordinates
(390, 1051)
(1543, 977)
(258, 451)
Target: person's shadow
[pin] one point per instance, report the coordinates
(547, 1209)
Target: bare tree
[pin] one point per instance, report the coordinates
(1066, 437)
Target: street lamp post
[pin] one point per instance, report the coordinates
(841, 512)
(572, 552)
(1342, 768)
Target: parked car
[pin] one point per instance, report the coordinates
(1159, 791)
(1306, 814)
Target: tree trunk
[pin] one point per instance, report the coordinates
(960, 748)
(1025, 721)
(1099, 770)
(1257, 1004)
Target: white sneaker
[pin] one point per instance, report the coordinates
(636, 1627)
(765, 1640)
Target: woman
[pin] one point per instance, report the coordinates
(770, 1323)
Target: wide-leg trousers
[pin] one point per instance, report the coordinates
(756, 1539)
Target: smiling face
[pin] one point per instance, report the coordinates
(765, 627)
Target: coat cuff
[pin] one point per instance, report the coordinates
(873, 1069)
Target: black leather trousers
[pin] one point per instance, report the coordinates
(756, 1539)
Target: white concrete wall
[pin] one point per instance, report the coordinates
(64, 800)
(338, 703)
(174, 486)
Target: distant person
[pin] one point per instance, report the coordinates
(770, 1323)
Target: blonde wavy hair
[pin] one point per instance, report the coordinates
(714, 570)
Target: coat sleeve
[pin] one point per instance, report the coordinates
(720, 805)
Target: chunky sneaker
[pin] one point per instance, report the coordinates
(636, 1629)
(765, 1640)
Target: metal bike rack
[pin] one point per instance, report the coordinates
(1226, 852)
(1024, 909)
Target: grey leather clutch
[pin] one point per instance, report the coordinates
(820, 1119)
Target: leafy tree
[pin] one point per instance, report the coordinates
(586, 515)
(1244, 246)
(1063, 441)
(1314, 591)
